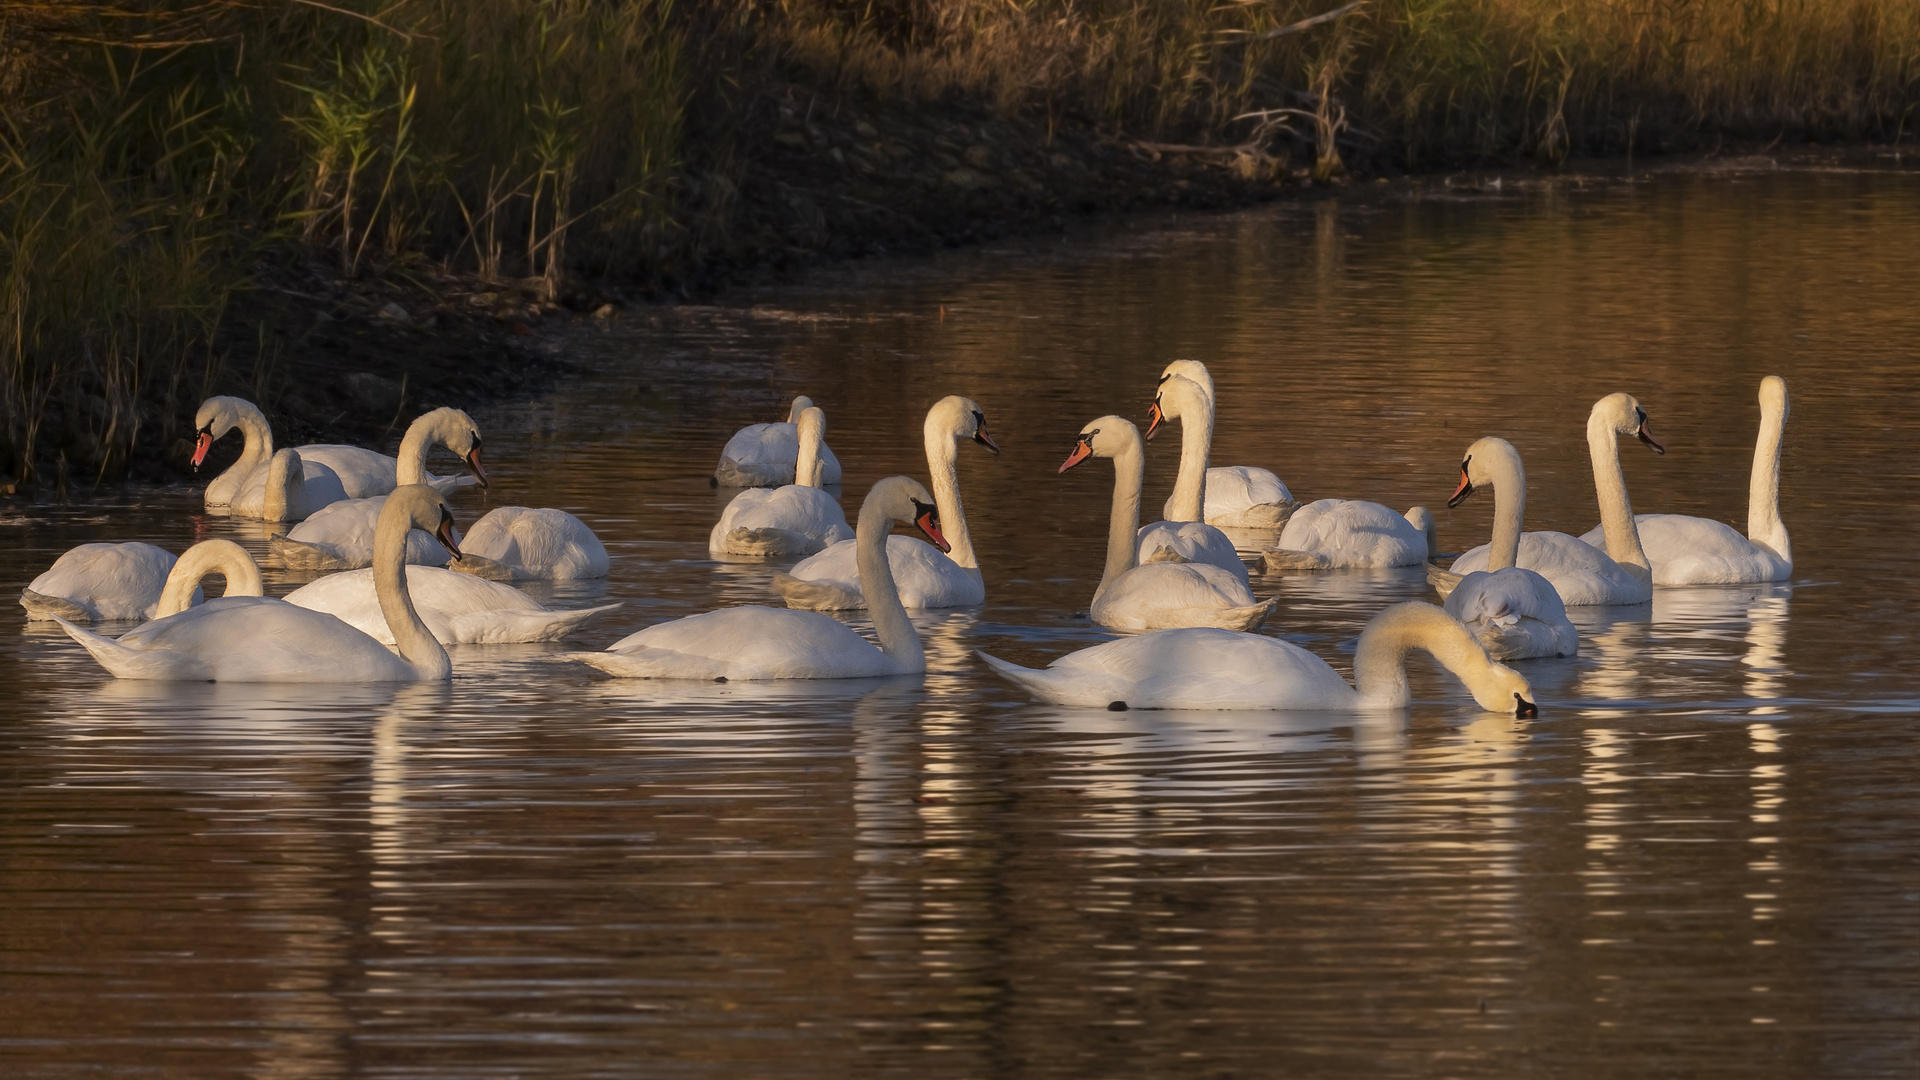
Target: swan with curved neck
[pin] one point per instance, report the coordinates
(767, 455)
(830, 580)
(339, 536)
(1232, 496)
(1687, 550)
(361, 473)
(1133, 595)
(758, 643)
(1581, 574)
(1219, 669)
(262, 639)
(1513, 612)
(222, 557)
(794, 520)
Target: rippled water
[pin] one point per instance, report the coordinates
(1703, 859)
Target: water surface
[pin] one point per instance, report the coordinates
(1702, 859)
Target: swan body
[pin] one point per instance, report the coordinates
(1584, 575)
(1218, 669)
(797, 519)
(290, 488)
(753, 643)
(100, 583)
(1237, 496)
(1700, 551)
(766, 455)
(1513, 612)
(1133, 595)
(339, 536)
(261, 639)
(519, 543)
(361, 473)
(926, 578)
(459, 609)
(1337, 533)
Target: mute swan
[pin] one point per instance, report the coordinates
(1701, 551)
(1236, 496)
(1513, 612)
(797, 519)
(1153, 595)
(520, 543)
(1183, 537)
(340, 535)
(1329, 534)
(747, 643)
(1582, 575)
(459, 609)
(830, 581)
(100, 583)
(288, 489)
(1219, 669)
(261, 639)
(765, 455)
(361, 473)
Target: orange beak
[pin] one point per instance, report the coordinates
(201, 444)
(1465, 489)
(1647, 437)
(446, 534)
(928, 519)
(1081, 451)
(980, 436)
(1154, 419)
(473, 465)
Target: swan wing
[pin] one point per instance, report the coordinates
(1353, 533)
(541, 543)
(747, 643)
(362, 473)
(1514, 613)
(100, 582)
(1187, 669)
(1241, 496)
(1161, 595)
(763, 455)
(339, 536)
(1190, 541)
(927, 578)
(1582, 574)
(1700, 551)
(248, 639)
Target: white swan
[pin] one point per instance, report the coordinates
(1183, 537)
(765, 455)
(1219, 669)
(830, 580)
(100, 583)
(459, 609)
(1513, 612)
(1236, 496)
(1581, 574)
(797, 519)
(746, 643)
(361, 473)
(1701, 551)
(261, 639)
(522, 543)
(1149, 596)
(339, 536)
(288, 489)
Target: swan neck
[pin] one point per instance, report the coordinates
(285, 488)
(1763, 491)
(1189, 499)
(943, 467)
(410, 464)
(1616, 512)
(1122, 544)
(1509, 510)
(223, 557)
(890, 623)
(807, 467)
(256, 452)
(1380, 660)
(416, 643)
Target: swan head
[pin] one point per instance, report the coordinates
(456, 431)
(1504, 690)
(1773, 394)
(1178, 396)
(800, 404)
(1190, 369)
(1106, 437)
(956, 417)
(1623, 414)
(902, 498)
(425, 509)
(217, 416)
(1481, 467)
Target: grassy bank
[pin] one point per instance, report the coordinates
(173, 171)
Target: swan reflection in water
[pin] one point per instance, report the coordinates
(1684, 639)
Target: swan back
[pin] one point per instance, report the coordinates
(100, 582)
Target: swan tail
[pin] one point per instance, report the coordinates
(482, 567)
(1443, 581)
(1290, 559)
(817, 595)
(1524, 639)
(124, 663)
(770, 543)
(508, 627)
(47, 608)
(1034, 681)
(1165, 553)
(1268, 515)
(1247, 618)
(300, 555)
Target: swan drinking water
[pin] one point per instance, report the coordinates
(765, 455)
(756, 642)
(830, 581)
(1581, 574)
(340, 535)
(1133, 595)
(261, 639)
(1219, 669)
(1514, 613)
(1235, 496)
(1701, 551)
(797, 519)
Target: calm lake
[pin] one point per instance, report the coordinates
(1702, 859)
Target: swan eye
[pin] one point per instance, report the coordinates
(1640, 415)
(476, 438)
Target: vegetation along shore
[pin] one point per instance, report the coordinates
(348, 210)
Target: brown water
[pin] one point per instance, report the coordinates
(1703, 859)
